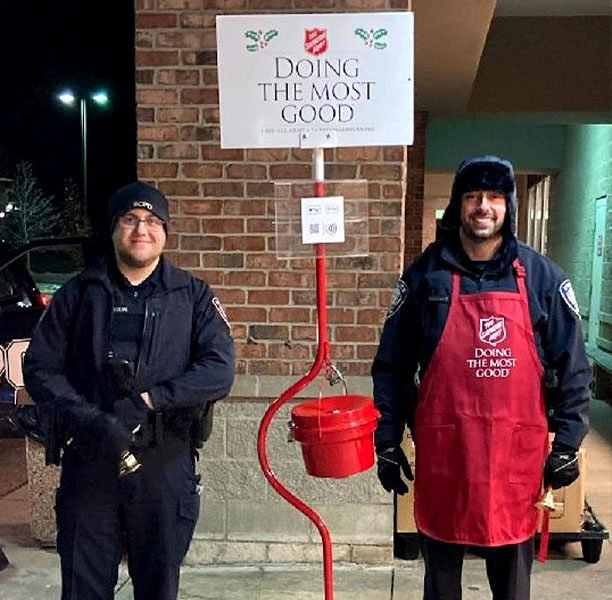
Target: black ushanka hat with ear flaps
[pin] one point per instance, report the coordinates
(486, 172)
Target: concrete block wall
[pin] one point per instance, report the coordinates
(222, 229)
(244, 520)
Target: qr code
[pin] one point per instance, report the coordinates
(314, 228)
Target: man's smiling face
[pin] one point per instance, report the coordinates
(482, 214)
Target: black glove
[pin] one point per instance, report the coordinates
(390, 460)
(27, 421)
(102, 435)
(131, 411)
(561, 467)
(118, 437)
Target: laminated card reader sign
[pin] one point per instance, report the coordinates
(333, 79)
(323, 220)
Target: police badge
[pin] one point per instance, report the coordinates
(400, 293)
(569, 297)
(217, 304)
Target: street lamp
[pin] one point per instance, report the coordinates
(68, 98)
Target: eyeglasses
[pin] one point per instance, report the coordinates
(131, 222)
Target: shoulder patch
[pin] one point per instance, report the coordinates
(569, 297)
(400, 293)
(217, 304)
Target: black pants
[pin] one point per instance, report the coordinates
(508, 569)
(151, 513)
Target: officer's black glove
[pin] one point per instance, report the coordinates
(561, 467)
(118, 437)
(101, 435)
(131, 411)
(389, 462)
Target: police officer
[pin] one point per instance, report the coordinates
(476, 326)
(127, 353)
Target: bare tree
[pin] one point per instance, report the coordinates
(75, 222)
(29, 214)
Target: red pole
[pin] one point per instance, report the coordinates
(321, 358)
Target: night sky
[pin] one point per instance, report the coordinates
(45, 47)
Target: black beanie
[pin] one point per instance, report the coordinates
(137, 195)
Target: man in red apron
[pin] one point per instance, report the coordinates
(482, 321)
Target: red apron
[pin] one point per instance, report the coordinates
(481, 430)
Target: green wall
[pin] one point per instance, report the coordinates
(585, 175)
(529, 146)
(581, 158)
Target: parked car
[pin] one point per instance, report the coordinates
(29, 276)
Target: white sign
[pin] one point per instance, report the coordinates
(323, 220)
(307, 80)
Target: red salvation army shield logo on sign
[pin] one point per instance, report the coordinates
(492, 330)
(315, 41)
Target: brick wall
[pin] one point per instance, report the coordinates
(430, 206)
(415, 193)
(437, 194)
(222, 229)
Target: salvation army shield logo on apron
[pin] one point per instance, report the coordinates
(492, 330)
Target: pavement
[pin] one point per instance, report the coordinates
(33, 573)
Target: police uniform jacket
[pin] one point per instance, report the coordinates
(418, 314)
(186, 355)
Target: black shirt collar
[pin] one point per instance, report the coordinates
(119, 280)
(455, 255)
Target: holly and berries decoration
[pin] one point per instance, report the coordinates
(372, 37)
(260, 38)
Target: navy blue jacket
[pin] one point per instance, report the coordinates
(186, 356)
(412, 331)
(419, 309)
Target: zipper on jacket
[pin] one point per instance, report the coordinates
(146, 338)
(147, 332)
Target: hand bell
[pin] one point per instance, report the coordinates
(128, 463)
(547, 501)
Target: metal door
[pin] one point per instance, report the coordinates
(597, 272)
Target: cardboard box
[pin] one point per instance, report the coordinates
(566, 518)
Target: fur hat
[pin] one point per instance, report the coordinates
(486, 172)
(137, 195)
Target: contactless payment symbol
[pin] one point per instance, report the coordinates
(492, 330)
(323, 220)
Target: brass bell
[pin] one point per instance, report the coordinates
(547, 501)
(128, 463)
